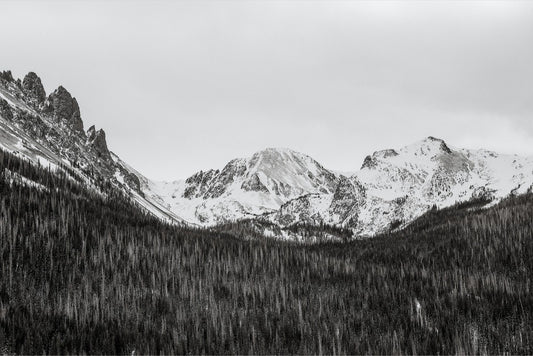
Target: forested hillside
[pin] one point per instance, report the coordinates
(84, 272)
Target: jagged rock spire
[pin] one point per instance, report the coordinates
(6, 75)
(96, 139)
(65, 109)
(33, 87)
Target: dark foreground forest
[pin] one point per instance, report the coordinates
(87, 273)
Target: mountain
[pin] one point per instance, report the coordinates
(245, 187)
(83, 273)
(49, 131)
(392, 188)
(402, 185)
(277, 188)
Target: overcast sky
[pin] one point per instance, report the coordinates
(184, 86)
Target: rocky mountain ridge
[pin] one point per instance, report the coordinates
(49, 130)
(245, 187)
(277, 186)
(392, 188)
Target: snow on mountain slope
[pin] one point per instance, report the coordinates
(125, 174)
(245, 187)
(431, 171)
(395, 187)
(392, 188)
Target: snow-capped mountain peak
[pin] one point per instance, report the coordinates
(294, 169)
(429, 147)
(246, 187)
(392, 187)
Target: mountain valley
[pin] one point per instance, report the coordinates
(392, 188)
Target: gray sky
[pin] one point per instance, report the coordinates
(184, 86)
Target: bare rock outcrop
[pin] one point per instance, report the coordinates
(33, 88)
(65, 109)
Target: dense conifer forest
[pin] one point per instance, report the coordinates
(83, 272)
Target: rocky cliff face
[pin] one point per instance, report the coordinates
(64, 108)
(34, 89)
(96, 140)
